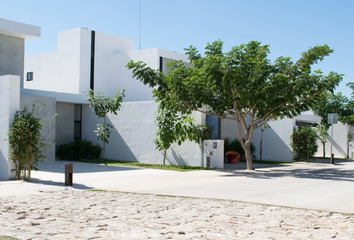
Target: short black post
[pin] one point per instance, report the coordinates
(68, 174)
(332, 158)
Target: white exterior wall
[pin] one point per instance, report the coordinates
(10, 103)
(133, 135)
(276, 141)
(339, 142)
(66, 70)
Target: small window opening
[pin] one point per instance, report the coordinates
(29, 76)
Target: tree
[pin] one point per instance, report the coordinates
(173, 127)
(327, 103)
(333, 103)
(241, 85)
(101, 105)
(26, 143)
(303, 142)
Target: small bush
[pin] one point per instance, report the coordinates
(26, 143)
(78, 150)
(303, 142)
(235, 145)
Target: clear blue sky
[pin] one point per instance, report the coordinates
(288, 26)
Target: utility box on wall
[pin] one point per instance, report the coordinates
(213, 153)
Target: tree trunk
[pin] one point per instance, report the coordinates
(164, 157)
(260, 145)
(324, 149)
(246, 145)
(104, 143)
(249, 157)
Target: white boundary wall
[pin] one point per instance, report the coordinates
(133, 135)
(10, 103)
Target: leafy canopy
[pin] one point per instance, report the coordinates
(242, 84)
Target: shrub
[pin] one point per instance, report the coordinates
(26, 143)
(235, 145)
(78, 149)
(303, 142)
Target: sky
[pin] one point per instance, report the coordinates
(290, 27)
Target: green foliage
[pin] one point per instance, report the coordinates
(173, 127)
(235, 145)
(103, 132)
(303, 142)
(241, 85)
(101, 105)
(77, 150)
(26, 143)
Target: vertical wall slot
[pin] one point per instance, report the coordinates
(92, 69)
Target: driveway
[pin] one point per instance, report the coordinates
(319, 186)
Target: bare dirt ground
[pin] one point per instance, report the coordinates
(83, 214)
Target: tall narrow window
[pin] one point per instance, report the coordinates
(77, 119)
(29, 76)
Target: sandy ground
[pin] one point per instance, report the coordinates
(83, 214)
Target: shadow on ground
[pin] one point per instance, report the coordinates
(80, 167)
(58, 184)
(319, 170)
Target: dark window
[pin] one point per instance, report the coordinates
(77, 119)
(301, 124)
(29, 76)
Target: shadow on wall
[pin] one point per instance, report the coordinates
(273, 146)
(3, 167)
(176, 158)
(336, 146)
(117, 148)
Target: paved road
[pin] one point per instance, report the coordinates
(319, 186)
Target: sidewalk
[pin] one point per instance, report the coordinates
(318, 186)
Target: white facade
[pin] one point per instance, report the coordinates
(69, 69)
(12, 40)
(67, 73)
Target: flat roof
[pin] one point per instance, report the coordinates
(20, 30)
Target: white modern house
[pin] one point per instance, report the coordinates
(88, 59)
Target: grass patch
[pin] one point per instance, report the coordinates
(144, 165)
(272, 162)
(8, 238)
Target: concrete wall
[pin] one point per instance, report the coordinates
(46, 112)
(133, 135)
(10, 103)
(12, 51)
(64, 131)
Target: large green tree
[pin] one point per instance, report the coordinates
(241, 85)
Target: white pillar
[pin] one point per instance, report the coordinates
(9, 104)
